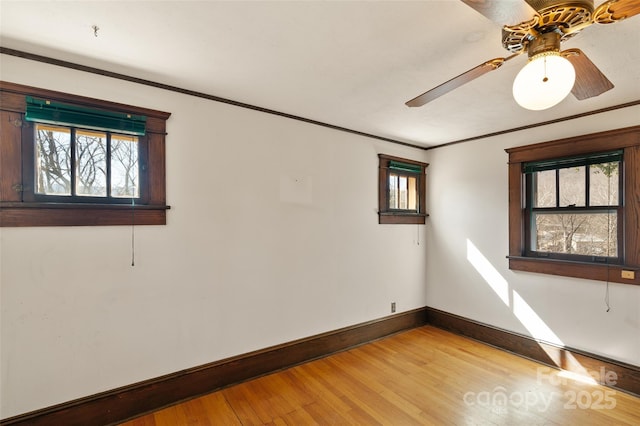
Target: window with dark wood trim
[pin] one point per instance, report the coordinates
(401, 190)
(617, 154)
(40, 188)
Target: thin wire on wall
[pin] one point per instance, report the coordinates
(133, 232)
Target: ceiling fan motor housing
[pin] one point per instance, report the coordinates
(544, 44)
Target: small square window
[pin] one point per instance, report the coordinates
(401, 190)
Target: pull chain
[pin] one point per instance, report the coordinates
(133, 232)
(606, 293)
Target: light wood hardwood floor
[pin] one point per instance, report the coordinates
(424, 376)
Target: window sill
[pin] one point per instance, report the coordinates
(567, 268)
(16, 214)
(402, 218)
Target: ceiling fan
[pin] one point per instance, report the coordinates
(544, 24)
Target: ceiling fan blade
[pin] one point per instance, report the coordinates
(590, 81)
(458, 81)
(615, 10)
(503, 12)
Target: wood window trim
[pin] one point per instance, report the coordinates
(627, 139)
(387, 216)
(16, 212)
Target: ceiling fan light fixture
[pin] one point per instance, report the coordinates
(544, 81)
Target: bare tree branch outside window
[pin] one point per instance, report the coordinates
(93, 164)
(53, 159)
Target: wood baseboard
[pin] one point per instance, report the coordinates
(120, 404)
(609, 372)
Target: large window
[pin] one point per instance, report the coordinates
(401, 190)
(70, 160)
(574, 208)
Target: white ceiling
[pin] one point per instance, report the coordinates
(351, 64)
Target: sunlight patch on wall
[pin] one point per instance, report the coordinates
(527, 316)
(532, 321)
(520, 308)
(488, 272)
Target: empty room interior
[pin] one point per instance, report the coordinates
(320, 212)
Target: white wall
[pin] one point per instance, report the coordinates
(467, 244)
(272, 236)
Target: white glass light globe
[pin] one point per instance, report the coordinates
(544, 81)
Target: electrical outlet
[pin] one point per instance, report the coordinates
(393, 307)
(629, 275)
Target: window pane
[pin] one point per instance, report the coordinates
(413, 193)
(124, 166)
(402, 186)
(393, 191)
(603, 184)
(594, 234)
(545, 188)
(91, 163)
(53, 160)
(572, 186)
